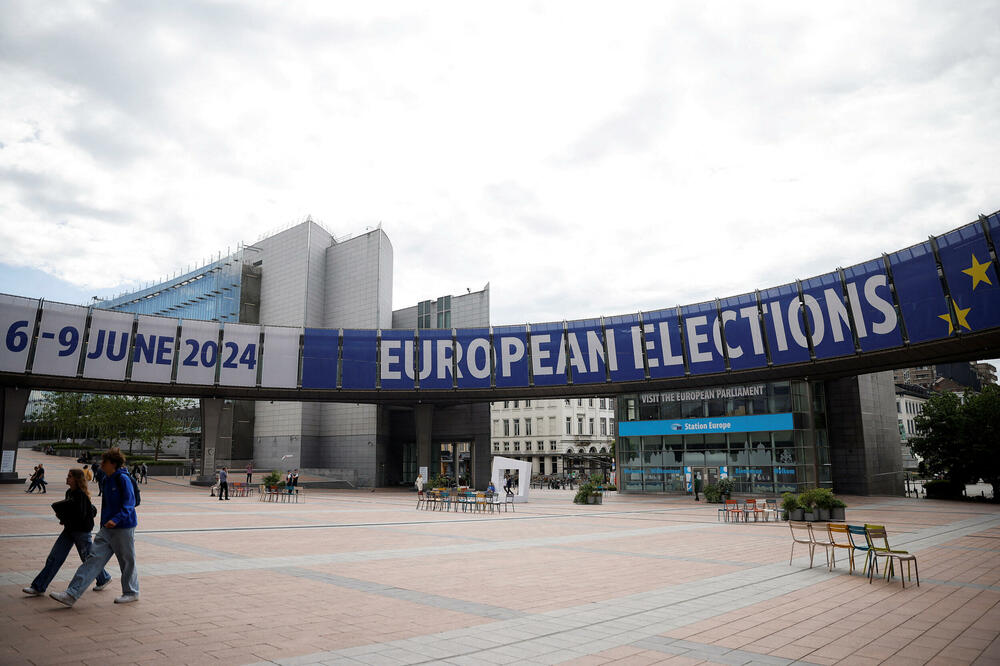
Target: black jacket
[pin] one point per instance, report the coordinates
(76, 513)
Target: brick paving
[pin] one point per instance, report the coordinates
(355, 577)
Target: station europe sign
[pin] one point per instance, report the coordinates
(889, 302)
(707, 426)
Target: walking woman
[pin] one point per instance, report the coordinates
(76, 514)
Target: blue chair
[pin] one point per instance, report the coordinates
(862, 543)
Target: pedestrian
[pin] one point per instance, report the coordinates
(99, 477)
(33, 479)
(76, 514)
(87, 474)
(506, 483)
(419, 483)
(249, 473)
(145, 471)
(288, 482)
(41, 478)
(223, 483)
(116, 536)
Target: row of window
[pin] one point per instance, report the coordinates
(527, 446)
(605, 403)
(910, 407)
(607, 425)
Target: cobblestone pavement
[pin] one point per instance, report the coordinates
(351, 577)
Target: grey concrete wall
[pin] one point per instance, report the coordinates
(864, 437)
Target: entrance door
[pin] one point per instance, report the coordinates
(708, 475)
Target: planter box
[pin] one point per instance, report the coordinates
(809, 516)
(823, 514)
(591, 499)
(838, 513)
(796, 514)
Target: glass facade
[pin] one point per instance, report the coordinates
(766, 438)
(211, 292)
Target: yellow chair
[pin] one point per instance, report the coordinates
(876, 533)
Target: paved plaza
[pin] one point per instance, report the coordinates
(351, 577)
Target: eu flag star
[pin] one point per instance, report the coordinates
(960, 314)
(978, 272)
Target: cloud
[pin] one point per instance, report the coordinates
(583, 162)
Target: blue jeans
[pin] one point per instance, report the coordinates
(60, 550)
(115, 541)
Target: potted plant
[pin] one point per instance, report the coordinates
(790, 507)
(712, 494)
(272, 480)
(837, 510)
(585, 494)
(824, 502)
(726, 488)
(807, 500)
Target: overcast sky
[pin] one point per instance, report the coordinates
(582, 158)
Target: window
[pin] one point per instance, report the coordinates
(604, 426)
(444, 312)
(579, 402)
(602, 403)
(496, 426)
(611, 426)
(527, 403)
(506, 427)
(506, 404)
(527, 426)
(590, 402)
(568, 403)
(527, 446)
(898, 410)
(517, 427)
(424, 314)
(591, 424)
(579, 425)
(552, 445)
(541, 447)
(569, 426)
(506, 446)
(516, 403)
(496, 446)
(517, 446)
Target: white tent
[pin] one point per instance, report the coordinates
(523, 467)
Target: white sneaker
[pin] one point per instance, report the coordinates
(64, 598)
(31, 592)
(98, 588)
(127, 598)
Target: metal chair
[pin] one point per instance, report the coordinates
(772, 508)
(856, 533)
(833, 530)
(801, 533)
(876, 533)
(732, 510)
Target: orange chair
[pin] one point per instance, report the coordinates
(732, 510)
(835, 530)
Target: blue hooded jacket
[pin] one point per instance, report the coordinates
(118, 501)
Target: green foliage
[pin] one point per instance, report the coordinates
(823, 497)
(440, 481)
(272, 479)
(159, 421)
(585, 491)
(726, 486)
(712, 494)
(789, 502)
(943, 489)
(610, 486)
(959, 439)
(807, 499)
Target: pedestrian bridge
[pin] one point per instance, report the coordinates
(935, 301)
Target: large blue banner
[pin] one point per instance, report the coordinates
(548, 354)
(436, 357)
(704, 339)
(743, 333)
(720, 424)
(918, 288)
(786, 337)
(319, 358)
(875, 319)
(359, 360)
(472, 351)
(827, 317)
(396, 360)
(510, 351)
(664, 351)
(972, 278)
(586, 351)
(625, 348)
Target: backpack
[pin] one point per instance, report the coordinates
(135, 488)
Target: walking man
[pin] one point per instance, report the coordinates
(116, 536)
(249, 473)
(223, 483)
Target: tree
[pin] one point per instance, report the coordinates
(159, 421)
(960, 438)
(65, 413)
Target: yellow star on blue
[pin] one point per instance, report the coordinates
(960, 314)
(977, 272)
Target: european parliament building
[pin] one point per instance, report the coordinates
(305, 277)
